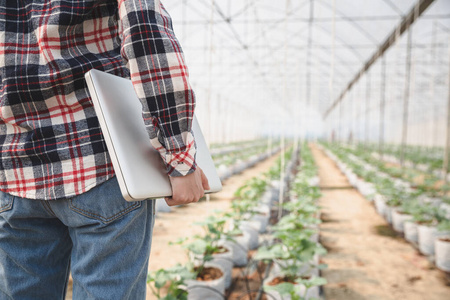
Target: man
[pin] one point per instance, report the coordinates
(60, 204)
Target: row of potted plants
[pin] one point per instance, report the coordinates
(426, 186)
(234, 163)
(228, 237)
(422, 157)
(218, 150)
(294, 247)
(419, 179)
(410, 211)
(226, 241)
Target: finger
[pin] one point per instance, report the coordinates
(205, 182)
(170, 201)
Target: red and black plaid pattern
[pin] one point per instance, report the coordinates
(51, 146)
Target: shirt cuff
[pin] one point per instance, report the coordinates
(178, 162)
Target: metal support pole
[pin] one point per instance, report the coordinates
(382, 106)
(351, 103)
(285, 97)
(406, 98)
(368, 87)
(340, 124)
(435, 104)
(447, 142)
(308, 53)
(184, 22)
(361, 115)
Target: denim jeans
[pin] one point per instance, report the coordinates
(103, 240)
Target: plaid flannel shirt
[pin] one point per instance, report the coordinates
(51, 146)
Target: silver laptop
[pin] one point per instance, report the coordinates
(138, 166)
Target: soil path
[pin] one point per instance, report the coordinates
(366, 259)
(179, 222)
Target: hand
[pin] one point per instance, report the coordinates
(187, 189)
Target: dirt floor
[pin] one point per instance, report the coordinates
(366, 259)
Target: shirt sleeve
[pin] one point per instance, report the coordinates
(160, 78)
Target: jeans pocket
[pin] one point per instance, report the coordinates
(104, 203)
(6, 201)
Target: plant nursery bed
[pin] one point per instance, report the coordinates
(362, 263)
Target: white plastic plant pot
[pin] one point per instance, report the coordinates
(262, 208)
(266, 198)
(380, 204)
(225, 260)
(275, 184)
(426, 236)
(398, 219)
(422, 167)
(226, 173)
(367, 189)
(446, 208)
(442, 253)
(241, 166)
(253, 237)
(388, 213)
(275, 193)
(270, 196)
(314, 237)
(314, 181)
(352, 179)
(261, 220)
(211, 290)
(358, 184)
(432, 201)
(410, 231)
(161, 206)
(400, 184)
(222, 171)
(240, 250)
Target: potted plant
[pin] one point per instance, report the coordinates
(445, 205)
(209, 277)
(209, 282)
(402, 214)
(211, 247)
(303, 288)
(427, 217)
(294, 254)
(392, 204)
(291, 268)
(173, 280)
(442, 246)
(237, 239)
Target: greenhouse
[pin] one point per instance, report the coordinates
(328, 122)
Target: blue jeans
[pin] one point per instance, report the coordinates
(103, 240)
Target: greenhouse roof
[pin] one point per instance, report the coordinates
(300, 56)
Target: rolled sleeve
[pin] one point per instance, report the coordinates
(161, 81)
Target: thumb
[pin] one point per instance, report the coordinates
(205, 182)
